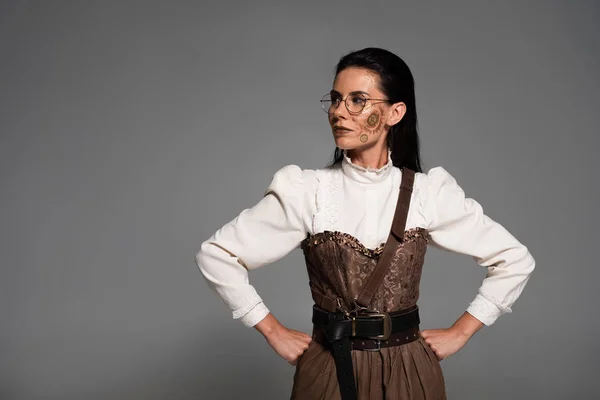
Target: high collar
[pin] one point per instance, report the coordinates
(366, 175)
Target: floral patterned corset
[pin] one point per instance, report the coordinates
(339, 264)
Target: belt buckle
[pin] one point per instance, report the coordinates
(378, 346)
(387, 324)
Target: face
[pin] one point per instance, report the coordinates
(370, 126)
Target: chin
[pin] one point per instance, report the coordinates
(345, 143)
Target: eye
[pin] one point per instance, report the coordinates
(336, 99)
(357, 99)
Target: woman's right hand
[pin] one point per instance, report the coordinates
(290, 344)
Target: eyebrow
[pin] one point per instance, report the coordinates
(354, 91)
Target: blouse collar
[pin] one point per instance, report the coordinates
(366, 175)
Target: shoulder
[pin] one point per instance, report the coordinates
(296, 188)
(434, 174)
(294, 174)
(292, 179)
(436, 188)
(434, 180)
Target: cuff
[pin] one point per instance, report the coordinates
(255, 315)
(484, 310)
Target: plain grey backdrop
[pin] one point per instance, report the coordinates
(131, 131)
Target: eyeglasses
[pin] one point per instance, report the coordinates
(355, 102)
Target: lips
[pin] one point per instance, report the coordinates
(341, 129)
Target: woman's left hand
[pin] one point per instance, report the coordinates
(444, 342)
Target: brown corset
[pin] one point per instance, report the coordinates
(338, 265)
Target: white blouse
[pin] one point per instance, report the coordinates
(360, 201)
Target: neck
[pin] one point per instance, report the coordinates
(374, 157)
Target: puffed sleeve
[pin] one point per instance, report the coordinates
(457, 223)
(257, 236)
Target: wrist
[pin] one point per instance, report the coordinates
(462, 332)
(268, 326)
(467, 325)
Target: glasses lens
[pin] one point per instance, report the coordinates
(326, 102)
(356, 102)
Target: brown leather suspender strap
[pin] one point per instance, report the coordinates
(395, 237)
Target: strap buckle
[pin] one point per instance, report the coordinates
(385, 318)
(359, 310)
(363, 312)
(387, 325)
(376, 349)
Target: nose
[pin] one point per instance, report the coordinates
(338, 111)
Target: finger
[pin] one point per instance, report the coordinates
(304, 337)
(432, 336)
(429, 332)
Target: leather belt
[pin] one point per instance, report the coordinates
(363, 330)
(357, 343)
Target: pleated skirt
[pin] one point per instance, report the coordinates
(409, 372)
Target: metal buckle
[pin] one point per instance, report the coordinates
(378, 347)
(387, 325)
(341, 309)
(385, 317)
(359, 309)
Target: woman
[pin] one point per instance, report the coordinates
(364, 224)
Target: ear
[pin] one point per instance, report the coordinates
(397, 111)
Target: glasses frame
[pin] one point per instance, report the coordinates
(345, 101)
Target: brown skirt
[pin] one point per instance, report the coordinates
(408, 372)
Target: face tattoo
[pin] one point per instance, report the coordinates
(373, 120)
(373, 124)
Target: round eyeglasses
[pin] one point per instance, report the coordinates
(355, 102)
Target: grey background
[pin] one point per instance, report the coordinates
(131, 131)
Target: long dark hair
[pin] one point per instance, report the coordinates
(397, 83)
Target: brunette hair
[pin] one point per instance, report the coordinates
(397, 83)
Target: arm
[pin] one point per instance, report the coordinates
(258, 236)
(457, 223)
(467, 325)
